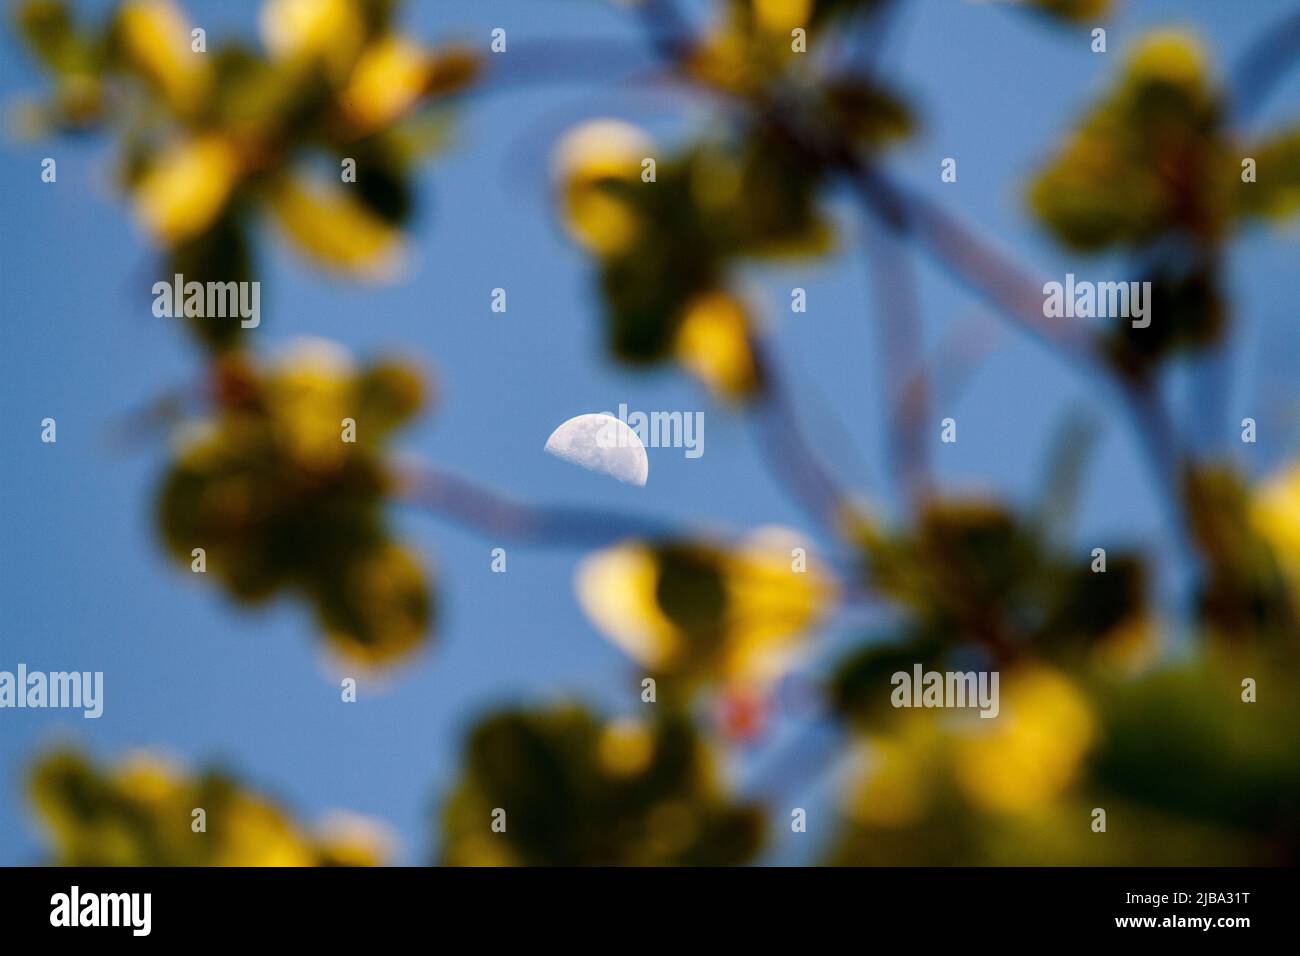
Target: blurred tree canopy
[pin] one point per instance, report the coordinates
(577, 790)
(1154, 168)
(1113, 699)
(146, 812)
(281, 503)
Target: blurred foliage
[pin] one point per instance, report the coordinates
(976, 584)
(1146, 161)
(1187, 774)
(208, 142)
(282, 503)
(578, 790)
(666, 247)
(1091, 714)
(751, 49)
(1244, 596)
(1274, 516)
(1182, 743)
(140, 813)
(1277, 191)
(1153, 168)
(1100, 706)
(694, 612)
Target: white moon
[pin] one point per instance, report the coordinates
(601, 443)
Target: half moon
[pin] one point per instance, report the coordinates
(601, 443)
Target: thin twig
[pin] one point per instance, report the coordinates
(500, 517)
(557, 61)
(1264, 63)
(491, 513)
(972, 260)
(668, 30)
(1019, 298)
(792, 459)
(958, 249)
(902, 366)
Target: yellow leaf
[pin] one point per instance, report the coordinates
(307, 397)
(616, 589)
(187, 189)
(713, 343)
(156, 39)
(1275, 517)
(255, 833)
(329, 31)
(782, 16)
(767, 605)
(336, 229)
(391, 75)
(770, 605)
(1035, 748)
(1170, 56)
(586, 160)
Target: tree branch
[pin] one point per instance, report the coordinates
(1261, 67)
(902, 366)
(971, 260)
(493, 514)
(563, 60)
(790, 457)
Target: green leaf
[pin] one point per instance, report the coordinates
(48, 29)
(1184, 742)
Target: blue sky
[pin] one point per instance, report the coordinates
(84, 585)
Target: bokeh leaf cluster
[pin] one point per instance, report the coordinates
(212, 143)
(1109, 700)
(141, 812)
(280, 501)
(579, 790)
